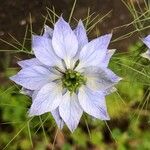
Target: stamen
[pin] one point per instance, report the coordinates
(73, 80)
(64, 64)
(76, 64)
(58, 69)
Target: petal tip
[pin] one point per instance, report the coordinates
(72, 129)
(13, 78)
(61, 20)
(146, 55)
(109, 35)
(19, 63)
(119, 79)
(106, 116)
(112, 50)
(46, 26)
(61, 125)
(80, 23)
(32, 113)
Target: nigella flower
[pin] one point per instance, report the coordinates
(146, 41)
(68, 75)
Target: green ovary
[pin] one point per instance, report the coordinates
(73, 80)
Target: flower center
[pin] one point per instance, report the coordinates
(72, 80)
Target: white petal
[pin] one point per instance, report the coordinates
(94, 52)
(33, 78)
(64, 40)
(82, 38)
(29, 62)
(47, 99)
(48, 32)
(93, 103)
(146, 40)
(70, 111)
(100, 78)
(43, 50)
(58, 119)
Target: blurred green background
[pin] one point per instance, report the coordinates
(129, 107)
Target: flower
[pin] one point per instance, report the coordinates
(68, 75)
(146, 41)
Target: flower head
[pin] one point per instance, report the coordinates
(68, 75)
(146, 41)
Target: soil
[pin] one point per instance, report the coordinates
(14, 15)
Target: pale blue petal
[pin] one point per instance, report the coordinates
(35, 62)
(43, 50)
(109, 91)
(59, 121)
(29, 62)
(30, 93)
(47, 99)
(112, 76)
(100, 78)
(146, 40)
(64, 40)
(34, 94)
(106, 60)
(55, 113)
(93, 103)
(48, 32)
(93, 53)
(33, 78)
(26, 92)
(82, 38)
(70, 111)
